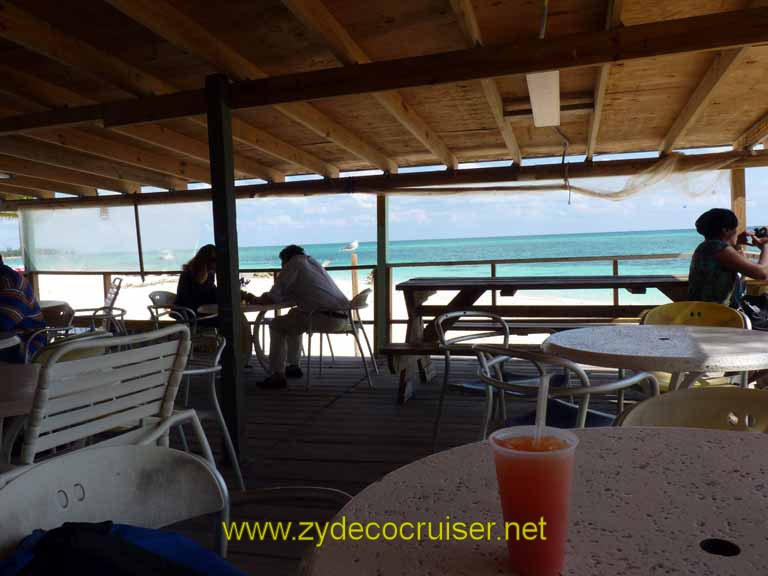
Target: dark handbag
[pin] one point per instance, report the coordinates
(756, 309)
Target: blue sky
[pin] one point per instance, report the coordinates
(276, 221)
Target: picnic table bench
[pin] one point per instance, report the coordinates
(411, 358)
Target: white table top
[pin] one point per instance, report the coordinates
(663, 348)
(245, 308)
(643, 501)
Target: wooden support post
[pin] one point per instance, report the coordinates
(382, 277)
(227, 260)
(615, 290)
(739, 196)
(493, 275)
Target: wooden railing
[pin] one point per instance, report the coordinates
(492, 264)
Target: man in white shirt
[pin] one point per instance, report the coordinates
(305, 283)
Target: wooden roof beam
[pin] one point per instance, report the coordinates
(756, 134)
(403, 183)
(49, 185)
(45, 153)
(21, 166)
(102, 145)
(700, 33)
(51, 95)
(8, 189)
(315, 16)
(612, 20)
(465, 14)
(723, 63)
(26, 30)
(183, 31)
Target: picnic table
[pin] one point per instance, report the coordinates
(420, 341)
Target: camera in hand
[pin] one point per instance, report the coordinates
(761, 232)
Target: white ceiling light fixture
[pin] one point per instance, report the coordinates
(544, 92)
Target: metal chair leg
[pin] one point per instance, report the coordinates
(370, 350)
(488, 412)
(330, 347)
(227, 439)
(321, 354)
(441, 402)
(362, 357)
(309, 360)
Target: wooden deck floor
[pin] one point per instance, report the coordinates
(339, 434)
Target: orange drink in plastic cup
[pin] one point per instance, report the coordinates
(535, 490)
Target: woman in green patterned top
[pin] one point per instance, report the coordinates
(716, 261)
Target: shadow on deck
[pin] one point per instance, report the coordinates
(338, 434)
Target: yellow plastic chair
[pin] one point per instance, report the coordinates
(695, 314)
(720, 408)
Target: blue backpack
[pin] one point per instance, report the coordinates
(115, 549)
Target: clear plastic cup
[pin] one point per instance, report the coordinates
(535, 492)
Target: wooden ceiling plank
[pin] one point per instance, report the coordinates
(316, 16)
(467, 19)
(102, 145)
(184, 32)
(42, 184)
(52, 95)
(612, 20)
(22, 166)
(45, 153)
(696, 34)
(756, 134)
(6, 188)
(701, 96)
(38, 36)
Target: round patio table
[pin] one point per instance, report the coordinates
(645, 501)
(690, 350)
(262, 310)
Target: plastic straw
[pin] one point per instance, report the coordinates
(541, 408)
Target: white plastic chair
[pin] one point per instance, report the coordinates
(353, 326)
(144, 486)
(443, 325)
(210, 365)
(112, 318)
(493, 358)
(132, 388)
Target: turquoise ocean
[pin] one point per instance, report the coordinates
(439, 250)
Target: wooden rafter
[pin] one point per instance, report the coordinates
(756, 134)
(612, 20)
(26, 30)
(702, 95)
(700, 33)
(8, 189)
(465, 14)
(723, 63)
(315, 16)
(182, 31)
(45, 153)
(21, 166)
(404, 183)
(41, 184)
(50, 95)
